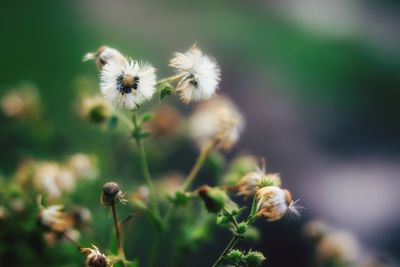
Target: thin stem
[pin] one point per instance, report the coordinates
(205, 152)
(145, 169)
(117, 231)
(230, 245)
(123, 118)
(70, 239)
(154, 249)
(168, 79)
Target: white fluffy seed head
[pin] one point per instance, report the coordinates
(216, 119)
(274, 203)
(200, 75)
(128, 85)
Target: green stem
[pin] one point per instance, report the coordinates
(205, 152)
(230, 245)
(154, 249)
(168, 79)
(145, 169)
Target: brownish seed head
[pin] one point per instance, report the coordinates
(288, 197)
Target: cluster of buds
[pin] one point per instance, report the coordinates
(273, 201)
(238, 258)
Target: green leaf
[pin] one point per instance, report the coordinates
(147, 117)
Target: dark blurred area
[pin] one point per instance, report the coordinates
(317, 81)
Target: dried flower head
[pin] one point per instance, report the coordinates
(111, 194)
(52, 218)
(96, 109)
(53, 179)
(274, 203)
(200, 75)
(165, 123)
(105, 55)
(81, 216)
(94, 258)
(83, 166)
(21, 102)
(128, 84)
(45, 179)
(254, 180)
(217, 119)
(340, 247)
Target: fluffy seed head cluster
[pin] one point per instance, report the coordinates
(217, 119)
(52, 218)
(129, 84)
(105, 55)
(111, 194)
(274, 203)
(199, 75)
(94, 258)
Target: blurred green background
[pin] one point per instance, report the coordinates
(318, 83)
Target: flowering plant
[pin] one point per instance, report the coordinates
(126, 85)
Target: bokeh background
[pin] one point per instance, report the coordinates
(318, 82)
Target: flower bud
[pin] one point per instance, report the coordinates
(104, 55)
(52, 218)
(254, 258)
(94, 258)
(111, 194)
(235, 257)
(215, 199)
(96, 109)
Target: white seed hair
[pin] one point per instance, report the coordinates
(146, 85)
(200, 75)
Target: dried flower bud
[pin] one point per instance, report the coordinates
(52, 218)
(94, 258)
(96, 109)
(215, 199)
(315, 230)
(111, 194)
(81, 216)
(104, 55)
(274, 203)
